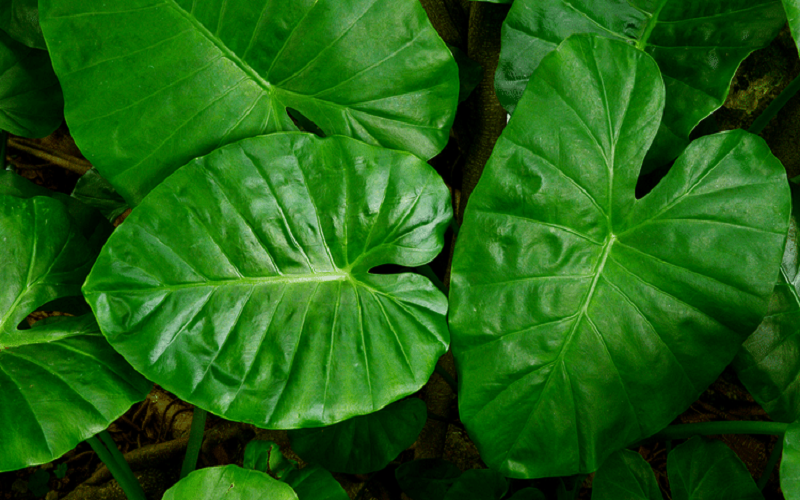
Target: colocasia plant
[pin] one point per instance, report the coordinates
(274, 269)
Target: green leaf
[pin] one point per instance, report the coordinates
(790, 462)
(470, 73)
(698, 46)
(315, 483)
(702, 469)
(160, 82)
(427, 479)
(567, 290)
(38, 483)
(61, 470)
(60, 382)
(230, 482)
(767, 363)
(94, 191)
(20, 19)
(528, 494)
(625, 474)
(250, 294)
(478, 484)
(266, 456)
(364, 444)
(31, 104)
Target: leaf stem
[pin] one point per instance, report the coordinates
(771, 463)
(195, 441)
(685, 431)
(121, 471)
(776, 105)
(447, 377)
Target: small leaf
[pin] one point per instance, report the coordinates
(230, 482)
(790, 462)
(38, 483)
(478, 484)
(364, 444)
(625, 474)
(251, 295)
(427, 479)
(266, 456)
(315, 483)
(702, 469)
(61, 470)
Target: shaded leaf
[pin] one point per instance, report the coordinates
(427, 479)
(251, 296)
(266, 456)
(364, 444)
(790, 462)
(528, 494)
(478, 484)
(567, 290)
(20, 19)
(96, 192)
(315, 483)
(625, 474)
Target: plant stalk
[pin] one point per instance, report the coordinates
(122, 473)
(775, 106)
(195, 441)
(685, 431)
(771, 463)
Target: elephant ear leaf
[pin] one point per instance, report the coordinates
(60, 381)
(160, 82)
(230, 482)
(698, 46)
(250, 294)
(590, 288)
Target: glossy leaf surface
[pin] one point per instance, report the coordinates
(315, 483)
(478, 484)
(20, 19)
(31, 104)
(625, 474)
(567, 290)
(768, 364)
(230, 482)
(427, 478)
(790, 462)
(143, 89)
(60, 382)
(698, 46)
(363, 444)
(251, 296)
(702, 469)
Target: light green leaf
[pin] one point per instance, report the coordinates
(625, 474)
(230, 482)
(363, 444)
(160, 82)
(250, 293)
(698, 46)
(60, 382)
(567, 290)
(266, 456)
(702, 469)
(31, 104)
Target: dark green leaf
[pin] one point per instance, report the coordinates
(20, 19)
(230, 482)
(702, 469)
(767, 363)
(160, 82)
(96, 192)
(478, 484)
(528, 494)
(427, 479)
(625, 474)
(698, 46)
(315, 483)
(469, 72)
(31, 104)
(568, 291)
(61, 470)
(38, 483)
(790, 462)
(363, 444)
(250, 295)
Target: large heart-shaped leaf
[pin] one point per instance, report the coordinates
(249, 292)
(702, 469)
(230, 482)
(625, 474)
(60, 382)
(363, 444)
(768, 363)
(31, 104)
(584, 319)
(160, 82)
(698, 46)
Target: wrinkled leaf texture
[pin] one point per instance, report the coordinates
(250, 295)
(160, 82)
(60, 381)
(582, 318)
(698, 46)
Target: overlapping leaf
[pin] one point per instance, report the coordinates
(31, 104)
(584, 319)
(160, 82)
(60, 382)
(230, 482)
(790, 462)
(698, 46)
(20, 19)
(625, 474)
(249, 293)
